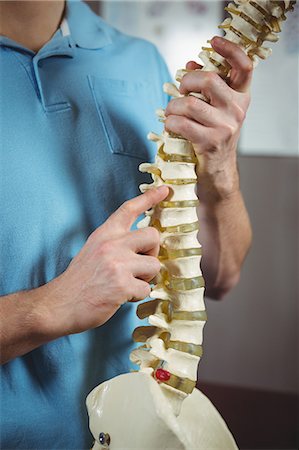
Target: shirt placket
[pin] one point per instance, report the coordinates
(41, 77)
(62, 46)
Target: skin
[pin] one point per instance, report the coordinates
(113, 267)
(31, 23)
(116, 263)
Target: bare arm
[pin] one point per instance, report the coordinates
(214, 130)
(24, 322)
(225, 234)
(114, 266)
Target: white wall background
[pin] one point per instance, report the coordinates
(272, 122)
(181, 28)
(178, 28)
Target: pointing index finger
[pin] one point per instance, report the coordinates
(127, 213)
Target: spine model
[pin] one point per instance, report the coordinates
(172, 343)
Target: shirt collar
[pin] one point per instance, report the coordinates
(87, 30)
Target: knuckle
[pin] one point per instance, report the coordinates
(247, 66)
(127, 207)
(191, 103)
(228, 131)
(170, 107)
(172, 124)
(140, 291)
(155, 265)
(221, 84)
(145, 290)
(184, 83)
(241, 115)
(184, 125)
(124, 285)
(169, 123)
(204, 107)
(211, 78)
(98, 235)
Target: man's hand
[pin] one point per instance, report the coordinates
(214, 127)
(114, 266)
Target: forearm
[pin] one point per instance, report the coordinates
(24, 323)
(225, 234)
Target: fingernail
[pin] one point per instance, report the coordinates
(217, 40)
(162, 188)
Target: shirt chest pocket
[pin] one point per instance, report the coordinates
(127, 114)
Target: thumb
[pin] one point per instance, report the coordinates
(192, 65)
(124, 217)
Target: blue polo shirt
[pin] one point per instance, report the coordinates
(74, 120)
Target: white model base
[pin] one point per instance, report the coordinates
(133, 410)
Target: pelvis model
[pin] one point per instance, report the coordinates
(159, 407)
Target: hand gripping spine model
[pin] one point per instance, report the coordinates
(158, 407)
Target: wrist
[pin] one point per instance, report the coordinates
(25, 323)
(48, 317)
(217, 183)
